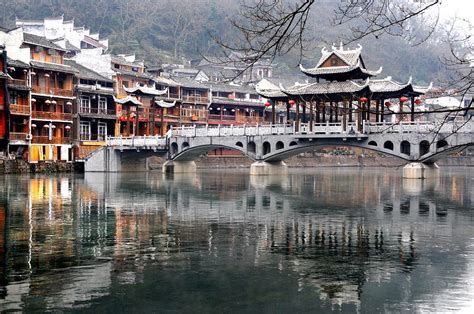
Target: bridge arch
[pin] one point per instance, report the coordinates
(293, 143)
(239, 144)
(441, 144)
(251, 147)
(424, 147)
(174, 148)
(373, 143)
(279, 145)
(266, 148)
(185, 145)
(388, 145)
(405, 148)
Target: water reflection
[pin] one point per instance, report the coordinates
(332, 239)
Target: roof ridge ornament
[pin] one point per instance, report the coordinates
(359, 47)
(341, 47)
(409, 80)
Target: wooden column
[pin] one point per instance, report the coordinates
(336, 112)
(304, 112)
(369, 103)
(330, 112)
(324, 112)
(311, 116)
(318, 110)
(287, 113)
(360, 115)
(412, 115)
(344, 116)
(350, 110)
(273, 111)
(162, 127)
(128, 121)
(382, 110)
(297, 116)
(377, 103)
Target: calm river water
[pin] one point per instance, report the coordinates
(316, 240)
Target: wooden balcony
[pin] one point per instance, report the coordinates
(52, 91)
(193, 115)
(18, 137)
(218, 117)
(249, 120)
(54, 140)
(19, 109)
(22, 84)
(44, 115)
(195, 99)
(96, 112)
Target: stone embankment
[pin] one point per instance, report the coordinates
(18, 166)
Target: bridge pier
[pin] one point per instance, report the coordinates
(171, 166)
(419, 170)
(264, 168)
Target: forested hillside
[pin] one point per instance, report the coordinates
(175, 31)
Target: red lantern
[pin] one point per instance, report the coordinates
(418, 102)
(388, 104)
(403, 99)
(363, 99)
(292, 102)
(268, 104)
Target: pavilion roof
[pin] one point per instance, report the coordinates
(352, 66)
(146, 91)
(326, 88)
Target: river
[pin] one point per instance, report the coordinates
(316, 240)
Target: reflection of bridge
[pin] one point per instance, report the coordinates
(269, 145)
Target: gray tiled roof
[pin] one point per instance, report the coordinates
(53, 67)
(326, 88)
(40, 41)
(387, 85)
(133, 73)
(189, 83)
(17, 63)
(85, 73)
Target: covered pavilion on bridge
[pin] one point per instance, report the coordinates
(348, 92)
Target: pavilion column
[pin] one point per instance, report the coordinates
(273, 111)
(287, 112)
(128, 122)
(412, 115)
(330, 112)
(297, 126)
(311, 116)
(369, 104)
(304, 112)
(377, 103)
(350, 110)
(318, 109)
(336, 112)
(137, 117)
(344, 116)
(162, 127)
(221, 112)
(360, 113)
(382, 110)
(324, 111)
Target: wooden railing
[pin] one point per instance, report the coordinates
(17, 136)
(87, 110)
(218, 117)
(12, 81)
(54, 140)
(193, 115)
(196, 99)
(19, 109)
(52, 91)
(51, 115)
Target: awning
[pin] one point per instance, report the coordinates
(128, 99)
(164, 104)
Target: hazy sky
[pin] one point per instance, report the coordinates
(460, 8)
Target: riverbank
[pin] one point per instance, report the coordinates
(233, 162)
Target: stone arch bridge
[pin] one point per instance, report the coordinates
(419, 143)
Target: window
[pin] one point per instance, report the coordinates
(13, 98)
(85, 104)
(117, 66)
(85, 129)
(125, 84)
(102, 131)
(102, 105)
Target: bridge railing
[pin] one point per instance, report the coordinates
(136, 141)
(420, 127)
